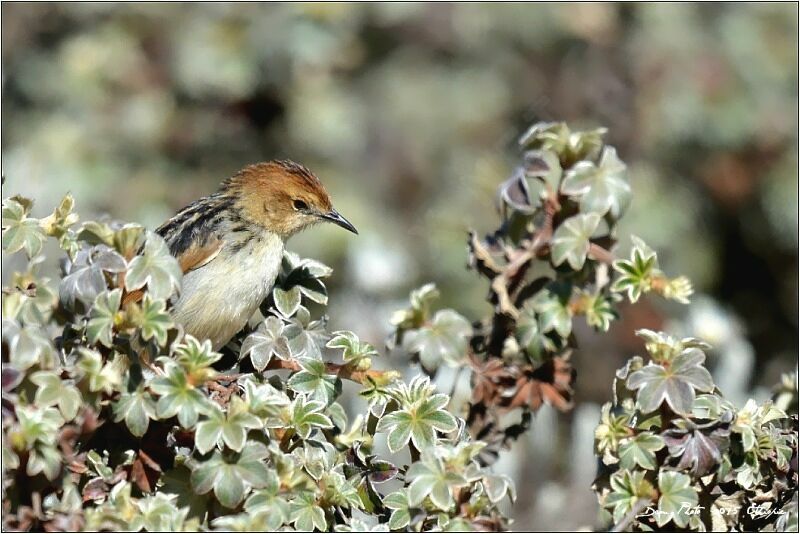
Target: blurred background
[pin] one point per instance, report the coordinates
(410, 113)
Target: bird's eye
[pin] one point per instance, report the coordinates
(299, 205)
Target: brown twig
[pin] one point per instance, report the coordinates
(509, 279)
(598, 253)
(343, 371)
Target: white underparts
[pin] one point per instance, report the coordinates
(218, 298)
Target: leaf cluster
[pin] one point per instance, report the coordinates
(671, 444)
(113, 419)
(548, 264)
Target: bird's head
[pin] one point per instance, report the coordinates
(283, 197)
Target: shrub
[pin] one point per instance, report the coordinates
(547, 264)
(114, 419)
(674, 453)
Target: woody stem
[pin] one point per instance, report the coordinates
(343, 371)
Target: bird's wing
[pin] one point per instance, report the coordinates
(197, 255)
(190, 259)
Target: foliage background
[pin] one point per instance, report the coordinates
(410, 113)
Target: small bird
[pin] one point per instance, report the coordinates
(230, 244)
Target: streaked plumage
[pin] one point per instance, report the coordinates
(230, 244)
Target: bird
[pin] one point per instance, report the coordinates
(230, 244)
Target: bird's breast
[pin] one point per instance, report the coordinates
(218, 299)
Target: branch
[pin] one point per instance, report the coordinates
(598, 253)
(508, 280)
(344, 371)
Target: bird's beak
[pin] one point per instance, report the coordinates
(336, 218)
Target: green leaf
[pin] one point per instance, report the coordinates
(675, 384)
(306, 415)
(136, 408)
(637, 273)
(251, 466)
(160, 514)
(677, 497)
(640, 450)
(204, 475)
(599, 310)
(570, 241)
(445, 339)
(628, 488)
(306, 515)
(194, 357)
(602, 188)
(557, 137)
(86, 278)
(105, 377)
(19, 230)
(231, 477)
(397, 502)
(229, 428)
(431, 478)
(209, 431)
(352, 348)
(710, 406)
(96, 233)
(29, 299)
(421, 300)
(337, 414)
(265, 342)
(314, 290)
(664, 348)
(28, 345)
(229, 488)
(315, 381)
(263, 399)
(102, 318)
(262, 521)
(611, 431)
(497, 487)
(38, 424)
(416, 391)
(58, 223)
(128, 240)
(265, 503)
(193, 354)
(544, 166)
(338, 491)
(62, 216)
(554, 311)
(305, 336)
(39, 428)
(45, 459)
(178, 397)
(530, 335)
(305, 275)
(418, 422)
(359, 525)
(53, 390)
(288, 301)
(317, 458)
(399, 426)
(156, 268)
(154, 321)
